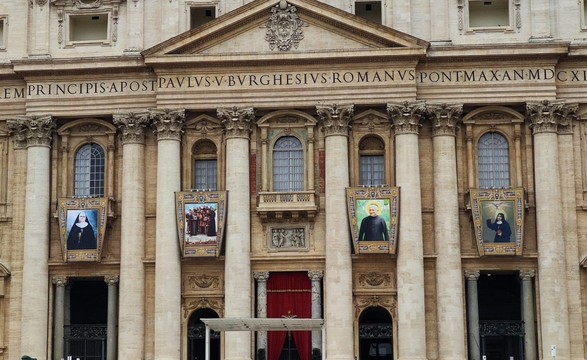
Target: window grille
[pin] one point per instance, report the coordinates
(89, 176)
(372, 170)
(494, 161)
(288, 165)
(206, 174)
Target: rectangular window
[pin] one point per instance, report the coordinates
(369, 10)
(372, 170)
(584, 15)
(199, 15)
(2, 32)
(489, 14)
(88, 28)
(206, 174)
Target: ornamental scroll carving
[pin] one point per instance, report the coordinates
(284, 28)
(375, 279)
(236, 121)
(32, 130)
(445, 118)
(191, 305)
(131, 126)
(406, 116)
(386, 302)
(550, 116)
(168, 124)
(203, 281)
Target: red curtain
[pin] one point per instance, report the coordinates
(289, 294)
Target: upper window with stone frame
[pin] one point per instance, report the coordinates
(87, 22)
(86, 157)
(3, 31)
(372, 161)
(201, 13)
(494, 147)
(369, 10)
(489, 15)
(205, 164)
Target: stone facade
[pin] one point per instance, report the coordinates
(421, 92)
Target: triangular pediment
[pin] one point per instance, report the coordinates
(296, 29)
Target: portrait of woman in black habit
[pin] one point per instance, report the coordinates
(81, 235)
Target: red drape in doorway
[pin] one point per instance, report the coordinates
(289, 294)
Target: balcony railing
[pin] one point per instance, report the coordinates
(287, 204)
(85, 342)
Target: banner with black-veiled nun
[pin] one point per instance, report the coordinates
(373, 217)
(82, 225)
(498, 219)
(200, 222)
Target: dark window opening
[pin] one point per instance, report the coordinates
(199, 15)
(369, 10)
(197, 336)
(375, 334)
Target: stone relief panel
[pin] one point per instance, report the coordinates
(198, 283)
(375, 280)
(294, 237)
(192, 304)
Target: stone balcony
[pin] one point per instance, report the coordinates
(287, 205)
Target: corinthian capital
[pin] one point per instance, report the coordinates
(32, 130)
(406, 116)
(335, 118)
(131, 126)
(546, 115)
(445, 118)
(236, 121)
(168, 124)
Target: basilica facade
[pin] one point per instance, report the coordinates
(412, 175)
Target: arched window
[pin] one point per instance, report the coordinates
(205, 166)
(372, 161)
(90, 162)
(494, 161)
(288, 164)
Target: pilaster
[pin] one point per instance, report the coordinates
(449, 281)
(237, 124)
(112, 320)
(406, 118)
(316, 280)
(60, 283)
(338, 290)
(132, 235)
(527, 277)
(261, 278)
(473, 314)
(168, 126)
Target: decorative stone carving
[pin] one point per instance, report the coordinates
(168, 123)
(315, 275)
(131, 126)
(236, 121)
(61, 281)
(565, 122)
(284, 28)
(546, 115)
(32, 130)
(203, 303)
(527, 274)
(88, 4)
(261, 276)
(292, 238)
(335, 118)
(375, 279)
(203, 281)
(472, 275)
(406, 116)
(387, 302)
(445, 118)
(370, 120)
(41, 2)
(111, 280)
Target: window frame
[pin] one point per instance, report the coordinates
(382, 6)
(509, 161)
(3, 33)
(69, 42)
(370, 137)
(89, 181)
(277, 138)
(199, 4)
(195, 156)
(583, 11)
(513, 15)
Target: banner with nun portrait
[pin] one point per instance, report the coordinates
(82, 224)
(498, 219)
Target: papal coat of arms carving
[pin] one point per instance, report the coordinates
(284, 28)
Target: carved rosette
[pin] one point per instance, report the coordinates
(60, 281)
(335, 118)
(445, 118)
(32, 130)
(111, 280)
(284, 28)
(527, 274)
(131, 126)
(472, 275)
(546, 116)
(406, 116)
(168, 124)
(236, 121)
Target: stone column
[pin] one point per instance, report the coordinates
(132, 236)
(569, 218)
(406, 119)
(237, 287)
(338, 280)
(168, 128)
(60, 283)
(528, 314)
(316, 278)
(554, 316)
(449, 278)
(473, 314)
(37, 132)
(261, 278)
(112, 321)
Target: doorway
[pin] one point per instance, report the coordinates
(197, 336)
(375, 334)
